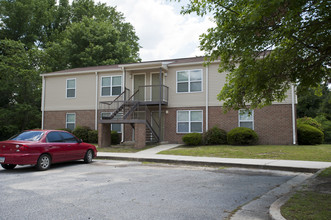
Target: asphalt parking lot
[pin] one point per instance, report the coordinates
(109, 189)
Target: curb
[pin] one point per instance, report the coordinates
(206, 163)
(274, 210)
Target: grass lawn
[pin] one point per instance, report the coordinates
(122, 149)
(310, 203)
(282, 152)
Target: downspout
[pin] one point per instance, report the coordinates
(124, 87)
(96, 101)
(43, 103)
(293, 116)
(207, 96)
(160, 100)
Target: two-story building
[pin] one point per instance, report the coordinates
(155, 101)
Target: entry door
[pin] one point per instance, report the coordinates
(139, 80)
(156, 89)
(154, 120)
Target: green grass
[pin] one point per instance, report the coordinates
(326, 173)
(122, 149)
(281, 152)
(307, 205)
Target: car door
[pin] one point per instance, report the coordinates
(74, 147)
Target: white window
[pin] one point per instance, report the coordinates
(71, 88)
(189, 121)
(189, 81)
(114, 127)
(111, 85)
(71, 121)
(246, 118)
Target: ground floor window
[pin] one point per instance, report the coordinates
(114, 127)
(246, 118)
(189, 121)
(71, 121)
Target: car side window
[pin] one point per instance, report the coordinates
(54, 137)
(68, 138)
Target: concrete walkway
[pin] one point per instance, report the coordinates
(256, 209)
(150, 155)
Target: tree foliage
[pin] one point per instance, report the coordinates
(39, 36)
(266, 46)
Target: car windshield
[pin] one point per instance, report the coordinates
(28, 136)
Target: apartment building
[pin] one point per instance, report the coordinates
(156, 101)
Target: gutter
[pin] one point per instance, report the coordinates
(43, 102)
(207, 96)
(293, 116)
(96, 101)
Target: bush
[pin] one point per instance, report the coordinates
(65, 129)
(81, 132)
(309, 121)
(326, 126)
(192, 139)
(242, 136)
(215, 136)
(309, 135)
(115, 138)
(93, 136)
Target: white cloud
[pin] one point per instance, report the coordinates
(164, 33)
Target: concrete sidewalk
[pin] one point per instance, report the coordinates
(260, 208)
(150, 155)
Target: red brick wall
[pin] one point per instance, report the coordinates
(57, 119)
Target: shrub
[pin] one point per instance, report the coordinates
(81, 132)
(192, 139)
(115, 138)
(309, 135)
(242, 136)
(93, 136)
(326, 126)
(65, 129)
(215, 136)
(309, 121)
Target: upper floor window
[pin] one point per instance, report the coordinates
(111, 85)
(71, 88)
(189, 81)
(246, 118)
(189, 121)
(71, 121)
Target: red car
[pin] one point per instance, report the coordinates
(42, 148)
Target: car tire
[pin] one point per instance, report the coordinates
(44, 162)
(8, 166)
(88, 156)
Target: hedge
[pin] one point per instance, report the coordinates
(242, 136)
(215, 136)
(192, 139)
(309, 135)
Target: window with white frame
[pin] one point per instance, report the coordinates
(111, 85)
(189, 81)
(71, 88)
(246, 118)
(114, 127)
(71, 121)
(189, 121)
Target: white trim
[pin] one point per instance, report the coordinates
(96, 101)
(189, 81)
(246, 120)
(110, 86)
(293, 116)
(71, 88)
(189, 121)
(43, 102)
(80, 72)
(207, 96)
(71, 113)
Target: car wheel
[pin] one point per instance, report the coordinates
(8, 166)
(44, 162)
(88, 156)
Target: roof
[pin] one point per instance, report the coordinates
(117, 67)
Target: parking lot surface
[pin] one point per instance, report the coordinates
(109, 189)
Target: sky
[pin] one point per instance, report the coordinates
(163, 32)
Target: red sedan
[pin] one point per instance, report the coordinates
(42, 148)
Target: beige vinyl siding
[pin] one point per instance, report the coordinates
(100, 75)
(55, 93)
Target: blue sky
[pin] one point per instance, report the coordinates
(164, 33)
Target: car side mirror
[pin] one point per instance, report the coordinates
(80, 141)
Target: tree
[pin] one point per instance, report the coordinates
(266, 46)
(20, 89)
